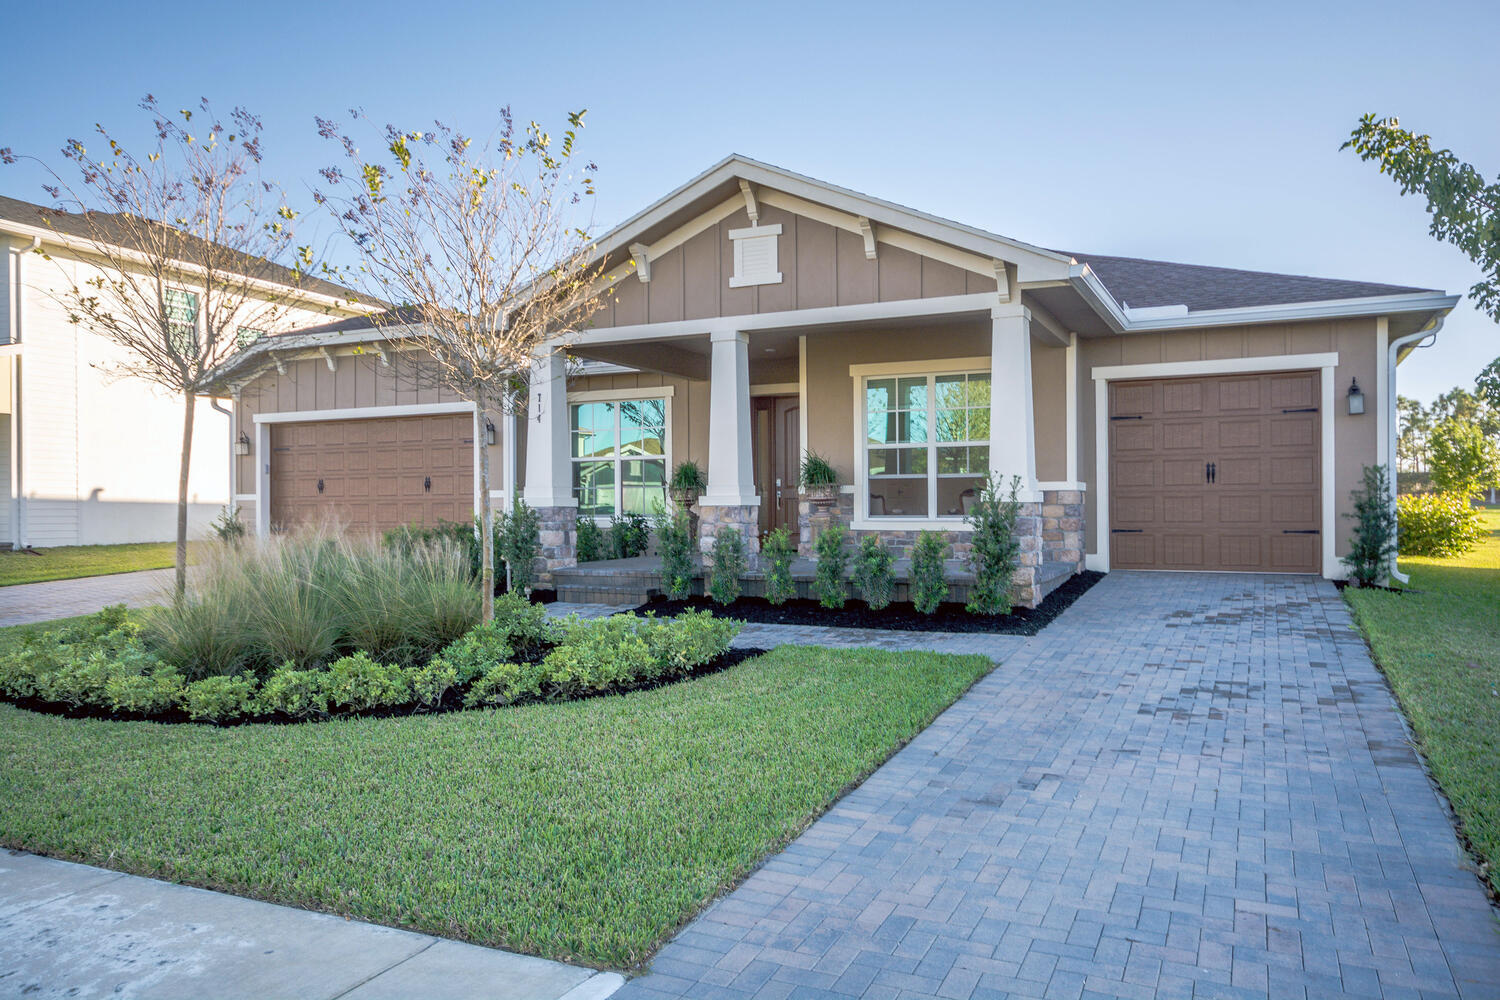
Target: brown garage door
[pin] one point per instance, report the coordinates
(1216, 473)
(373, 474)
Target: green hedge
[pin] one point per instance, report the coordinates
(1437, 524)
(102, 665)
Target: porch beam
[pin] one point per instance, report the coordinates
(731, 473)
(1012, 419)
(1047, 327)
(549, 480)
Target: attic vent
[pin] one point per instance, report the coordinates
(755, 259)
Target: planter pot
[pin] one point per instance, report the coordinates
(823, 496)
(684, 499)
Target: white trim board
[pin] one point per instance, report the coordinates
(775, 389)
(614, 395)
(362, 413)
(1326, 365)
(924, 367)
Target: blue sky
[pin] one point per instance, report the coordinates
(1200, 132)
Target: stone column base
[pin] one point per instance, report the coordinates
(1062, 527)
(559, 535)
(744, 518)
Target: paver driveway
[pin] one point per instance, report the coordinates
(1188, 786)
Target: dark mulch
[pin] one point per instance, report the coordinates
(899, 617)
(454, 702)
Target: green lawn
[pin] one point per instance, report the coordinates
(71, 561)
(584, 831)
(1440, 646)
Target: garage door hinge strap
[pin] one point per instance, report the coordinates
(1126, 531)
(1305, 409)
(1134, 417)
(1300, 531)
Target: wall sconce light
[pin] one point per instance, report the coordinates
(242, 444)
(489, 431)
(1356, 398)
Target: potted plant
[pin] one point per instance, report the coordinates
(687, 484)
(820, 480)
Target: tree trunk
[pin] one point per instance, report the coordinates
(486, 527)
(190, 402)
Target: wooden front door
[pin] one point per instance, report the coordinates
(777, 442)
(1219, 473)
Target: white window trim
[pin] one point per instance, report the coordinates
(664, 393)
(861, 488)
(1326, 364)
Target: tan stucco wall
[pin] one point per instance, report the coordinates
(1354, 436)
(820, 266)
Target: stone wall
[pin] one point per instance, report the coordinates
(745, 519)
(559, 536)
(1062, 527)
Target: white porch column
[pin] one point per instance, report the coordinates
(549, 481)
(1012, 430)
(731, 469)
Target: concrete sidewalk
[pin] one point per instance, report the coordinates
(27, 603)
(69, 930)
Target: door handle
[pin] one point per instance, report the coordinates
(320, 486)
(1210, 473)
(427, 484)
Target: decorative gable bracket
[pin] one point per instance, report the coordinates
(639, 253)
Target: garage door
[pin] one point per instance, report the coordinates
(1217, 473)
(371, 475)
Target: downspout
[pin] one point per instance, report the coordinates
(17, 496)
(1392, 356)
(233, 491)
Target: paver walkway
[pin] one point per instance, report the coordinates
(1187, 786)
(25, 603)
(73, 931)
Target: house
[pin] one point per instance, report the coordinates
(1158, 415)
(87, 458)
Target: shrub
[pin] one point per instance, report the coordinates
(525, 625)
(359, 683)
(828, 579)
(872, 572)
(519, 535)
(220, 699)
(506, 683)
(1437, 524)
(590, 540)
(1374, 540)
(728, 566)
(146, 693)
(694, 638)
(482, 648)
(777, 554)
(674, 543)
(228, 527)
(596, 655)
(298, 693)
(629, 536)
(817, 471)
(929, 586)
(432, 681)
(994, 546)
(1464, 460)
(79, 678)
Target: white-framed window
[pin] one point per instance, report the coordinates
(927, 444)
(182, 319)
(619, 455)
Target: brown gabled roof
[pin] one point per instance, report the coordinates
(76, 225)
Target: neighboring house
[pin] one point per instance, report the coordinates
(87, 458)
(1159, 415)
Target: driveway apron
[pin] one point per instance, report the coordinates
(1187, 786)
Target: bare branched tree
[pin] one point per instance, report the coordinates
(181, 257)
(478, 245)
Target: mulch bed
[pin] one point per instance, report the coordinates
(899, 617)
(453, 702)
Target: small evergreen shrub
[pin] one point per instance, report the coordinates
(358, 683)
(432, 681)
(872, 572)
(692, 639)
(591, 545)
(520, 538)
(505, 684)
(729, 565)
(629, 536)
(829, 582)
(929, 585)
(485, 646)
(1374, 540)
(301, 694)
(220, 699)
(995, 548)
(144, 693)
(1437, 524)
(674, 543)
(599, 655)
(776, 555)
(524, 625)
(228, 527)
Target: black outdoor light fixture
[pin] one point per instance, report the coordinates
(1356, 398)
(489, 431)
(242, 444)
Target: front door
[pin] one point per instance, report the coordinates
(777, 443)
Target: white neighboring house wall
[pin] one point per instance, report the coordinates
(97, 455)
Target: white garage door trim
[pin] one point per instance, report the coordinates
(263, 422)
(1104, 374)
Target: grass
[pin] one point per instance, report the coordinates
(586, 831)
(1439, 644)
(69, 562)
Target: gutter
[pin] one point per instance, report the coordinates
(1393, 357)
(16, 501)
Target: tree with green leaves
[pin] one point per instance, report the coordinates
(1465, 208)
(1411, 442)
(1464, 459)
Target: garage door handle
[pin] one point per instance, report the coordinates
(1126, 531)
(320, 486)
(427, 484)
(1209, 472)
(1300, 531)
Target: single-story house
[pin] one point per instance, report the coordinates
(1159, 415)
(88, 458)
